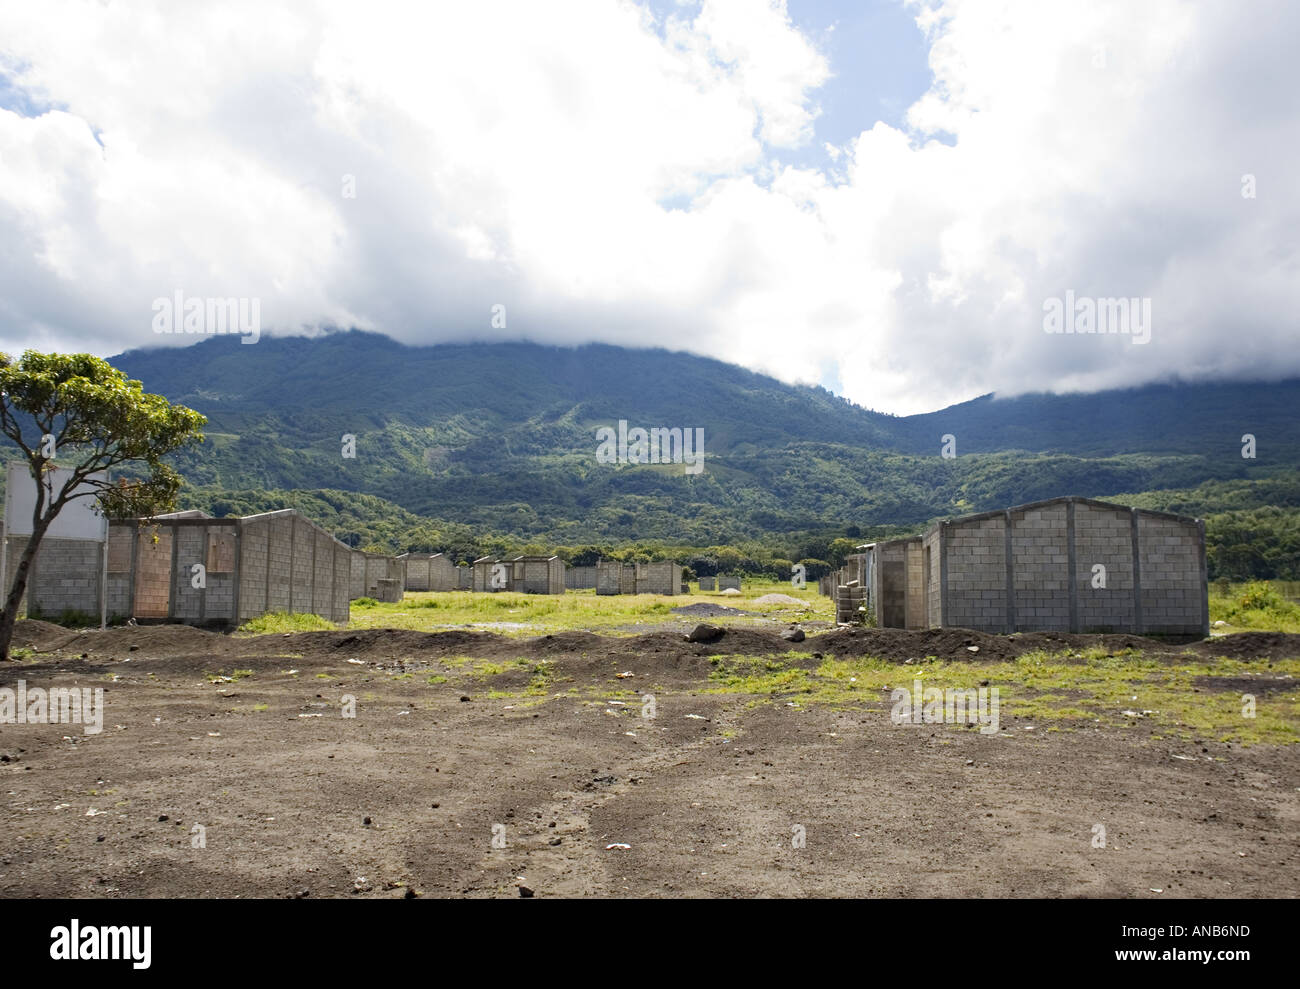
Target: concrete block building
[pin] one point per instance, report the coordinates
(430, 572)
(190, 568)
(664, 577)
(615, 577)
(893, 574)
(1061, 565)
(482, 574)
(368, 569)
(537, 574)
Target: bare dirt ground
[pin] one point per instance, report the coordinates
(406, 798)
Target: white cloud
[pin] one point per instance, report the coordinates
(609, 177)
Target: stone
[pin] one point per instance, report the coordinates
(705, 633)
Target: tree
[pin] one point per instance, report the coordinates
(89, 415)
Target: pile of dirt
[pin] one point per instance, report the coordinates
(709, 611)
(956, 643)
(1250, 645)
(169, 640)
(780, 599)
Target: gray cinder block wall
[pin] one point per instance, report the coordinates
(278, 561)
(726, 583)
(1068, 565)
(579, 578)
(664, 577)
(538, 574)
(428, 572)
(482, 569)
(708, 583)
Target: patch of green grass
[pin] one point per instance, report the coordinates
(515, 614)
(1052, 690)
(232, 677)
(285, 621)
(1259, 605)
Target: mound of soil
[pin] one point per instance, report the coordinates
(779, 599)
(955, 643)
(1250, 645)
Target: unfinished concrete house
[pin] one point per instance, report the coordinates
(377, 576)
(664, 577)
(614, 577)
(482, 574)
(537, 574)
(1069, 565)
(430, 572)
(190, 568)
(893, 574)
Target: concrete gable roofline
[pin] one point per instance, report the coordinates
(1061, 500)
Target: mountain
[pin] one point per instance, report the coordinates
(501, 438)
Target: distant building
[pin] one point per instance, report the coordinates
(190, 568)
(1060, 565)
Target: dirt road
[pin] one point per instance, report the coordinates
(226, 768)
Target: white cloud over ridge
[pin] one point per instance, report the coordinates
(610, 177)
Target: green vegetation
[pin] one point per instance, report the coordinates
(232, 677)
(78, 412)
(617, 614)
(285, 621)
(1259, 605)
(1057, 691)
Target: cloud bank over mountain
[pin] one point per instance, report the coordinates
(608, 171)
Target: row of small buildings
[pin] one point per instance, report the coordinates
(1060, 565)
(191, 568)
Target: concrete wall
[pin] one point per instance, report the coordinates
(1104, 537)
(931, 561)
(287, 563)
(367, 569)
(1172, 576)
(539, 575)
(896, 593)
(482, 569)
(417, 571)
(65, 576)
(1075, 565)
(658, 578)
(728, 582)
(708, 583)
(579, 578)
(976, 592)
(428, 572)
(273, 562)
(610, 577)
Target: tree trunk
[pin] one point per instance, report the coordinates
(10, 613)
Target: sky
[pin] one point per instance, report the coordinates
(886, 198)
